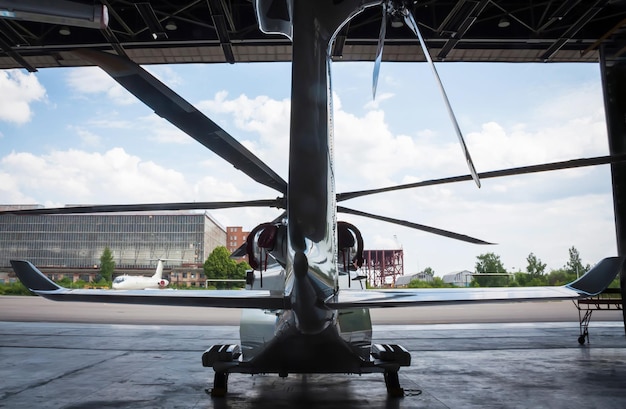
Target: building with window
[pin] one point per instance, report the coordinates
(235, 237)
(136, 240)
(187, 276)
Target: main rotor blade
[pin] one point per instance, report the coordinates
(422, 227)
(410, 20)
(171, 106)
(379, 50)
(278, 203)
(568, 164)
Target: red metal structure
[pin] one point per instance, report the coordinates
(383, 266)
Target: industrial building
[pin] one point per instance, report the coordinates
(70, 245)
(459, 278)
(404, 280)
(65, 244)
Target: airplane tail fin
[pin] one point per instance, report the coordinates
(32, 278)
(599, 277)
(158, 275)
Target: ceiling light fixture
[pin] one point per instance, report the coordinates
(396, 22)
(171, 25)
(149, 17)
(504, 22)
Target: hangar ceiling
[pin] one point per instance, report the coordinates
(220, 31)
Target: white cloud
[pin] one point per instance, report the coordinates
(75, 176)
(367, 152)
(10, 190)
(375, 103)
(573, 117)
(83, 177)
(111, 121)
(160, 130)
(216, 189)
(165, 74)
(87, 137)
(93, 81)
(18, 91)
(265, 117)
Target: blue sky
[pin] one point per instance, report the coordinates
(72, 135)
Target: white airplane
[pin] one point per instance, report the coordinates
(136, 282)
(302, 312)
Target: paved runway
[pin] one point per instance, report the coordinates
(470, 365)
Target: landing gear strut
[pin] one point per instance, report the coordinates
(220, 385)
(392, 382)
(221, 357)
(391, 357)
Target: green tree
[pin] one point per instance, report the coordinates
(560, 277)
(219, 266)
(16, 288)
(574, 266)
(535, 267)
(242, 268)
(524, 280)
(107, 264)
(490, 263)
(437, 282)
(428, 271)
(534, 275)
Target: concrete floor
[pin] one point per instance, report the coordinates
(521, 365)
(74, 355)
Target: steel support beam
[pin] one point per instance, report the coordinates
(220, 20)
(16, 56)
(573, 29)
(614, 87)
(470, 18)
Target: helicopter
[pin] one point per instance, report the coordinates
(301, 314)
